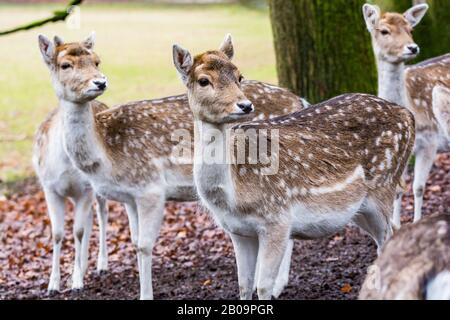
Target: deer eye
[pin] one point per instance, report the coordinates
(241, 78)
(385, 32)
(97, 64)
(66, 66)
(203, 82)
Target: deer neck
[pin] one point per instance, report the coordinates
(80, 137)
(391, 82)
(212, 174)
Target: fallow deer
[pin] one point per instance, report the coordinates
(441, 109)
(414, 265)
(60, 180)
(126, 153)
(338, 161)
(411, 87)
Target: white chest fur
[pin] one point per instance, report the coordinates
(213, 179)
(57, 172)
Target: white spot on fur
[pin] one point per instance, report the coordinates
(358, 173)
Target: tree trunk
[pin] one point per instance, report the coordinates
(322, 47)
(433, 33)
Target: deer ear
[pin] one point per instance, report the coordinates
(90, 41)
(47, 49)
(371, 16)
(227, 46)
(416, 14)
(182, 60)
(58, 41)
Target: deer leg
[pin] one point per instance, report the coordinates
(150, 215)
(397, 210)
(56, 208)
(85, 242)
(132, 214)
(425, 155)
(272, 248)
(102, 217)
(374, 219)
(283, 275)
(246, 252)
(398, 202)
(81, 231)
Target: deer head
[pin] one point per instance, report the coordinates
(392, 32)
(74, 68)
(214, 84)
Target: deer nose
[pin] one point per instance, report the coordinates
(246, 106)
(101, 84)
(414, 48)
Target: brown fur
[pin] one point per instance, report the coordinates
(339, 161)
(84, 67)
(126, 151)
(400, 33)
(411, 258)
(420, 81)
(142, 130)
(137, 135)
(322, 145)
(319, 146)
(224, 77)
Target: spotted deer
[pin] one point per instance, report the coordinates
(126, 152)
(411, 86)
(61, 181)
(415, 264)
(338, 161)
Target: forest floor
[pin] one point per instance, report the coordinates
(192, 259)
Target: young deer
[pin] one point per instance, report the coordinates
(415, 264)
(339, 161)
(411, 87)
(60, 181)
(126, 153)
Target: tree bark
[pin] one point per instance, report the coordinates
(322, 47)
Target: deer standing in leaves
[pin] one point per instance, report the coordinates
(338, 161)
(124, 153)
(61, 180)
(422, 88)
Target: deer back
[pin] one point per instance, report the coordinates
(139, 136)
(420, 81)
(329, 154)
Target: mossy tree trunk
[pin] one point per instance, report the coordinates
(433, 33)
(322, 47)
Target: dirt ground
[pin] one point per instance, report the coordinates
(192, 259)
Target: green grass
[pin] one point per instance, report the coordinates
(134, 42)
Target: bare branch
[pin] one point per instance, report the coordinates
(57, 16)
